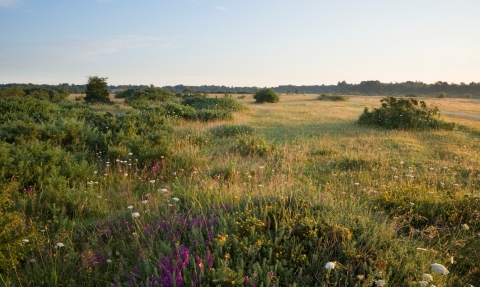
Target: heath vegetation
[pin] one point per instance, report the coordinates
(197, 190)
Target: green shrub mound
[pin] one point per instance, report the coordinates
(266, 96)
(253, 146)
(144, 96)
(335, 98)
(224, 104)
(404, 113)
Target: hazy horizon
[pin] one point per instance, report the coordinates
(238, 43)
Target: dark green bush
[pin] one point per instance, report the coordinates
(225, 103)
(329, 97)
(404, 113)
(442, 95)
(97, 90)
(145, 96)
(231, 130)
(266, 95)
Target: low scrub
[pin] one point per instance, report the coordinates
(335, 98)
(253, 146)
(404, 113)
(144, 96)
(266, 96)
(225, 131)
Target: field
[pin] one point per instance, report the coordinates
(295, 193)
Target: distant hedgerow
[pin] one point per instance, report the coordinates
(404, 113)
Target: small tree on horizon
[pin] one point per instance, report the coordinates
(97, 90)
(266, 95)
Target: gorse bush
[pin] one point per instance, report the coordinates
(97, 90)
(266, 96)
(404, 113)
(136, 97)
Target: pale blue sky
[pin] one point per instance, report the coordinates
(239, 42)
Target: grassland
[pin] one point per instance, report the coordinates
(266, 199)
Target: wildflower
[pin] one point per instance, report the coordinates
(427, 277)
(261, 167)
(135, 214)
(109, 260)
(439, 268)
(330, 265)
(465, 226)
(393, 168)
(412, 204)
(125, 174)
(401, 162)
(130, 153)
(59, 245)
(423, 283)
(357, 183)
(152, 181)
(145, 201)
(260, 185)
(130, 207)
(271, 274)
(380, 282)
(227, 256)
(33, 260)
(25, 241)
(175, 199)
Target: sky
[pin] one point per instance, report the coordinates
(239, 42)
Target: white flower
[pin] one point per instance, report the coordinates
(130, 153)
(401, 162)
(423, 283)
(260, 185)
(380, 282)
(465, 226)
(60, 244)
(130, 207)
(330, 265)
(412, 204)
(135, 214)
(393, 168)
(439, 268)
(175, 199)
(33, 260)
(261, 167)
(152, 181)
(357, 183)
(109, 260)
(145, 201)
(163, 190)
(25, 241)
(427, 277)
(125, 174)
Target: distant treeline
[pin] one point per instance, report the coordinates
(364, 88)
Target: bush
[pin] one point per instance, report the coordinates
(145, 95)
(442, 95)
(328, 97)
(266, 95)
(225, 104)
(405, 114)
(468, 96)
(253, 145)
(97, 91)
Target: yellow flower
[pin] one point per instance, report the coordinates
(227, 256)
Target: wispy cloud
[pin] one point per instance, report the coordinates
(220, 8)
(8, 3)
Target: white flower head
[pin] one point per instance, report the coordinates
(60, 244)
(109, 260)
(379, 282)
(439, 268)
(427, 277)
(145, 201)
(25, 241)
(330, 265)
(33, 260)
(175, 199)
(152, 181)
(423, 283)
(135, 214)
(130, 207)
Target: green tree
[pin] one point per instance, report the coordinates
(97, 91)
(266, 95)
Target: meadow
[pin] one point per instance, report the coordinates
(295, 193)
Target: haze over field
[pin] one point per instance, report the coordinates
(238, 43)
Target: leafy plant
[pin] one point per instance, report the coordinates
(266, 96)
(404, 113)
(329, 97)
(97, 90)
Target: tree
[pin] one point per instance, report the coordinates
(266, 95)
(97, 91)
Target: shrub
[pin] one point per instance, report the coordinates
(266, 95)
(336, 98)
(253, 145)
(97, 91)
(14, 91)
(442, 95)
(468, 96)
(224, 104)
(145, 95)
(224, 131)
(404, 113)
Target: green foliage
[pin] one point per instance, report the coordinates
(13, 91)
(97, 90)
(266, 96)
(468, 96)
(329, 97)
(404, 113)
(224, 131)
(442, 95)
(253, 146)
(226, 104)
(136, 97)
